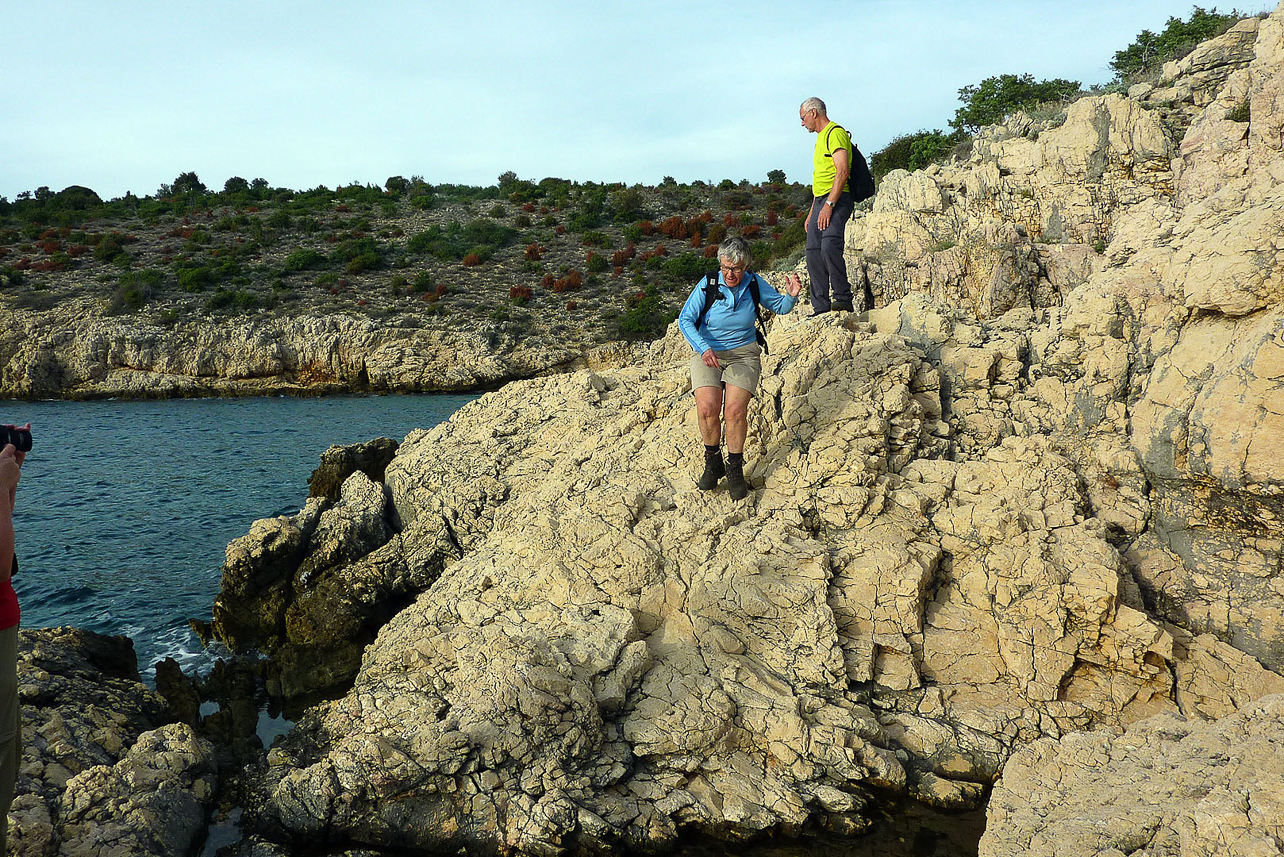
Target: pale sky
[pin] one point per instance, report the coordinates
(125, 96)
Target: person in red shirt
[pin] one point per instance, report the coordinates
(10, 721)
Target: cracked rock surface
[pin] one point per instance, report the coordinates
(1030, 500)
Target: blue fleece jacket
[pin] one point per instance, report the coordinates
(729, 323)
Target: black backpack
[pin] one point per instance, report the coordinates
(861, 180)
(712, 294)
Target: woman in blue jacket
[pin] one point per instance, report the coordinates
(727, 360)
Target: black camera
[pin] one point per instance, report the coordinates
(20, 438)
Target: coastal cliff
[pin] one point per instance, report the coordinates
(1014, 541)
(1032, 494)
(74, 351)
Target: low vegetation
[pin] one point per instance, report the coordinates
(407, 252)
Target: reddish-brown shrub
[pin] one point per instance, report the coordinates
(696, 240)
(729, 219)
(23, 264)
(75, 251)
(362, 302)
(4, 251)
(543, 209)
(430, 297)
(573, 280)
(548, 281)
(751, 231)
(50, 246)
(660, 250)
(528, 207)
(343, 206)
(442, 290)
(472, 260)
(705, 216)
(572, 306)
(54, 263)
(559, 229)
(634, 299)
(646, 227)
(673, 227)
(617, 272)
(772, 218)
(534, 252)
(711, 251)
(520, 293)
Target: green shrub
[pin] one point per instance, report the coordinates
(912, 152)
(238, 300)
(994, 98)
(194, 279)
(646, 317)
(305, 258)
(135, 290)
(1240, 113)
(423, 282)
(593, 238)
(1178, 38)
(358, 255)
(689, 266)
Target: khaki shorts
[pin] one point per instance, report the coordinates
(741, 367)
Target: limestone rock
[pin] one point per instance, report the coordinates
(75, 352)
(99, 769)
(1166, 786)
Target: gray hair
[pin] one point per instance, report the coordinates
(814, 104)
(736, 251)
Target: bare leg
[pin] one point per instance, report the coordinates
(736, 413)
(709, 412)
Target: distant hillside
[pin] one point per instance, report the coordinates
(582, 263)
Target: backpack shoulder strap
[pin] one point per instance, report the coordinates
(757, 317)
(711, 289)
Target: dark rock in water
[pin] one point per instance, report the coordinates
(340, 462)
(101, 772)
(311, 590)
(178, 691)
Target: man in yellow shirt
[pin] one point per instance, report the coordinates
(830, 209)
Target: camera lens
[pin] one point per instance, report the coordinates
(20, 438)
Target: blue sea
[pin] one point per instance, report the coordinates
(125, 507)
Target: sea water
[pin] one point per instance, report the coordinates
(125, 507)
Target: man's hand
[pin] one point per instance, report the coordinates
(793, 285)
(823, 217)
(710, 359)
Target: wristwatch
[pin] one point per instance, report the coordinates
(828, 203)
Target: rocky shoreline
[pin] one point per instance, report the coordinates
(1014, 546)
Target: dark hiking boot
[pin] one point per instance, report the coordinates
(737, 487)
(714, 469)
(842, 306)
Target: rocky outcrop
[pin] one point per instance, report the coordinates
(103, 771)
(73, 351)
(1029, 500)
(1166, 786)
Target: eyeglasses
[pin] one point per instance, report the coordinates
(729, 270)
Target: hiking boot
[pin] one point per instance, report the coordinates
(714, 469)
(737, 487)
(842, 306)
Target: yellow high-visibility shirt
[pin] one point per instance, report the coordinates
(829, 140)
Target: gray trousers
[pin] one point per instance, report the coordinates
(825, 262)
